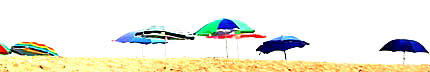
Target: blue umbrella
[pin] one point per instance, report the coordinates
(281, 43)
(404, 45)
(132, 38)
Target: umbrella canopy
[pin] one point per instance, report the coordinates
(271, 46)
(281, 43)
(33, 49)
(227, 24)
(132, 38)
(4, 50)
(404, 45)
(160, 32)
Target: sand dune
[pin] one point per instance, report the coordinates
(87, 64)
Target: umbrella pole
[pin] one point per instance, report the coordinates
(226, 46)
(237, 46)
(285, 56)
(142, 51)
(404, 52)
(165, 46)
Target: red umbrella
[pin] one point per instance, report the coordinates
(221, 29)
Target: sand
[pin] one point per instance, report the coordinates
(87, 64)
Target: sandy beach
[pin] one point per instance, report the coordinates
(88, 64)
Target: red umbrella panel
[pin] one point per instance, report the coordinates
(237, 36)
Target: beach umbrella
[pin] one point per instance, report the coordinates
(281, 43)
(4, 50)
(33, 49)
(227, 28)
(404, 45)
(131, 37)
(34, 46)
(162, 33)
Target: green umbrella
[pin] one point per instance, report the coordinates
(223, 27)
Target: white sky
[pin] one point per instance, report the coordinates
(338, 30)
